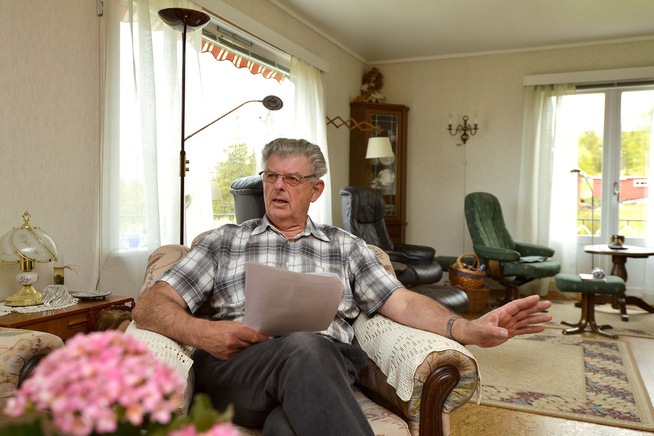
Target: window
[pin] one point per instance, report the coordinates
(230, 69)
(611, 129)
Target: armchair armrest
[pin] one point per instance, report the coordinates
(420, 374)
(534, 250)
(416, 254)
(501, 254)
(396, 256)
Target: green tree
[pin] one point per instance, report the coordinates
(590, 153)
(238, 162)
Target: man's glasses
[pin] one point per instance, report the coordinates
(291, 179)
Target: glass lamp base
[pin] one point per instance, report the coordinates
(27, 296)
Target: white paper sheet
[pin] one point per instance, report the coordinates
(278, 301)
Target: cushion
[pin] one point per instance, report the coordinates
(161, 259)
(614, 285)
(17, 347)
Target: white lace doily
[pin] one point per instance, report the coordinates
(398, 350)
(6, 310)
(168, 351)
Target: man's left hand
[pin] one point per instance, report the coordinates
(498, 326)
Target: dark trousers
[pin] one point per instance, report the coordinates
(298, 384)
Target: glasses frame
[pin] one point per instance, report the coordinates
(284, 177)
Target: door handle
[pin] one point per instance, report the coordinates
(616, 190)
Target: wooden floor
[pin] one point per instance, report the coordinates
(472, 419)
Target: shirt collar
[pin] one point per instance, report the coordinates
(309, 229)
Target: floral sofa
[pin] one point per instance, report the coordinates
(411, 384)
(20, 351)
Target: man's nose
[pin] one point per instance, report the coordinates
(279, 182)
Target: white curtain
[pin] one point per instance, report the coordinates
(546, 194)
(648, 283)
(143, 142)
(310, 124)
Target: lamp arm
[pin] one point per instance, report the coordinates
(221, 117)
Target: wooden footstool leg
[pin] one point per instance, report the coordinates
(588, 317)
(583, 322)
(593, 323)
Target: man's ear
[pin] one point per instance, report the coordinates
(318, 187)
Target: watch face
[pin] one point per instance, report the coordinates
(387, 160)
(386, 177)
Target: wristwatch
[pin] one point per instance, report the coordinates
(448, 329)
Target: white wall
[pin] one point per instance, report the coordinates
(49, 131)
(438, 178)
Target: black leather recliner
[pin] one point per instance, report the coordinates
(248, 198)
(363, 216)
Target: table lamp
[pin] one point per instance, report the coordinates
(379, 147)
(25, 245)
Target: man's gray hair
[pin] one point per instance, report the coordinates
(284, 147)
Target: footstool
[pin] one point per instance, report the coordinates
(613, 285)
(20, 351)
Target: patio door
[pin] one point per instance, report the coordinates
(612, 130)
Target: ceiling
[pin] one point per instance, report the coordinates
(378, 31)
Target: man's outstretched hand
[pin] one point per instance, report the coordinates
(498, 326)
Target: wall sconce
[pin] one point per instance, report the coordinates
(352, 124)
(465, 129)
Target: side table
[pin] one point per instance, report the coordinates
(69, 321)
(619, 258)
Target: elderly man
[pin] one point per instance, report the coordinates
(298, 383)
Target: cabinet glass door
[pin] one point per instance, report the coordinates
(383, 171)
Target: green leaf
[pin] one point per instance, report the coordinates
(31, 427)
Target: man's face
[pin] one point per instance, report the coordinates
(287, 206)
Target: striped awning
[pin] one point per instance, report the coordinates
(223, 54)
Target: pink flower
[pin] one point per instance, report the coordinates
(96, 378)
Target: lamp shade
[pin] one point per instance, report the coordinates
(379, 146)
(27, 242)
(25, 245)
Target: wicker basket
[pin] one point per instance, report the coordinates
(478, 300)
(465, 278)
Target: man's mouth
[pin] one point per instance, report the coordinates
(279, 201)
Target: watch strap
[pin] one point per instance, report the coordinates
(448, 329)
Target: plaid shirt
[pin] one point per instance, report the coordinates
(215, 269)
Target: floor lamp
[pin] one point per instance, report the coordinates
(592, 211)
(182, 20)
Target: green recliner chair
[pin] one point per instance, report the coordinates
(511, 264)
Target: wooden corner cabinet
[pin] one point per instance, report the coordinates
(386, 175)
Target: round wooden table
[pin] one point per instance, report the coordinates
(619, 258)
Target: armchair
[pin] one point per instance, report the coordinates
(411, 384)
(363, 216)
(512, 264)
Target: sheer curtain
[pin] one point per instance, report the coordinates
(546, 211)
(310, 124)
(648, 284)
(140, 139)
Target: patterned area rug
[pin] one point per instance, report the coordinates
(640, 324)
(568, 377)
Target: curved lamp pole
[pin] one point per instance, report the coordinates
(592, 211)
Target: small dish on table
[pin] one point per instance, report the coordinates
(91, 295)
